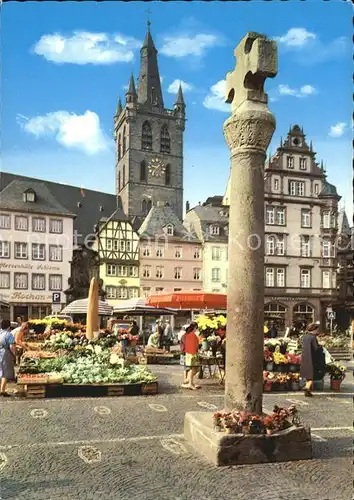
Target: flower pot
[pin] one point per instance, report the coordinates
(335, 385)
(281, 387)
(318, 385)
(269, 432)
(295, 386)
(269, 366)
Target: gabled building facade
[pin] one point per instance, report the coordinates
(210, 222)
(117, 246)
(149, 142)
(170, 255)
(301, 229)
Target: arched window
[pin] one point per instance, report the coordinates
(275, 313)
(149, 206)
(119, 147)
(123, 176)
(165, 142)
(303, 313)
(144, 206)
(146, 139)
(124, 142)
(168, 175)
(119, 182)
(143, 170)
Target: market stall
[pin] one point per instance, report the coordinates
(66, 362)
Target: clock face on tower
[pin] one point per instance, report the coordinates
(297, 142)
(156, 167)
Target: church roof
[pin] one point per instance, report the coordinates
(89, 206)
(131, 89)
(159, 218)
(343, 223)
(149, 87)
(180, 98)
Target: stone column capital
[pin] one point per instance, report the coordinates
(249, 129)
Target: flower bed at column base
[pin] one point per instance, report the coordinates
(221, 448)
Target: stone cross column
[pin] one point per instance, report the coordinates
(248, 133)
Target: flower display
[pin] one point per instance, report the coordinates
(293, 359)
(280, 358)
(336, 371)
(248, 423)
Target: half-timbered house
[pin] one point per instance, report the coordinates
(117, 245)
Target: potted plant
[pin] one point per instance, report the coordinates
(337, 375)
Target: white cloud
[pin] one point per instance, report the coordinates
(81, 132)
(304, 91)
(86, 48)
(296, 37)
(173, 88)
(186, 45)
(216, 98)
(338, 129)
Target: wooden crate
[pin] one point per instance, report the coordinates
(33, 391)
(149, 389)
(115, 390)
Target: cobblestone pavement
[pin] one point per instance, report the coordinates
(133, 448)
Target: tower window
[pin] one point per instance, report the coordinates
(123, 176)
(124, 142)
(143, 171)
(165, 142)
(146, 139)
(119, 147)
(144, 206)
(168, 175)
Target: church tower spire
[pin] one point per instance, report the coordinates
(149, 88)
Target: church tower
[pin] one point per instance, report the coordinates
(149, 142)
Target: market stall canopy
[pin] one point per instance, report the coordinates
(189, 300)
(139, 307)
(80, 307)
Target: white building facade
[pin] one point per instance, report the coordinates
(36, 247)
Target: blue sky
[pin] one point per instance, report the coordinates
(65, 64)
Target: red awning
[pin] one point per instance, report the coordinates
(189, 300)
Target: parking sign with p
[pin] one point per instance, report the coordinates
(56, 297)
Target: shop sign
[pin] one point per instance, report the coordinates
(29, 267)
(33, 297)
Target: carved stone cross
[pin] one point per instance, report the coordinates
(256, 60)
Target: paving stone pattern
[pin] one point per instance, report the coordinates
(136, 451)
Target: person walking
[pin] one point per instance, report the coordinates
(167, 336)
(311, 357)
(19, 335)
(160, 330)
(190, 350)
(7, 356)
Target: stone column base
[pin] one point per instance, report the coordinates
(220, 448)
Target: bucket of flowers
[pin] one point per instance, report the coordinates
(268, 360)
(268, 379)
(337, 375)
(282, 382)
(295, 381)
(213, 341)
(281, 362)
(294, 362)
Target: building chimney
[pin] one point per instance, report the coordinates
(187, 206)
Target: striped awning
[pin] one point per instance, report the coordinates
(138, 307)
(80, 307)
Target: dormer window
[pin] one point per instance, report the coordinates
(29, 196)
(290, 162)
(214, 230)
(303, 165)
(169, 229)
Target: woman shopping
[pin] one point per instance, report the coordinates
(189, 350)
(313, 365)
(7, 356)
